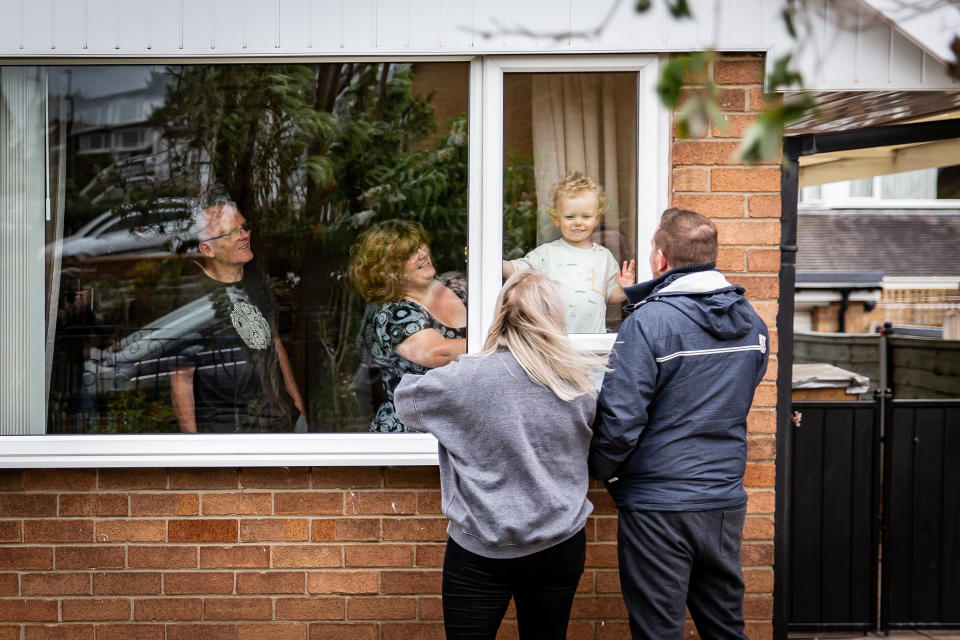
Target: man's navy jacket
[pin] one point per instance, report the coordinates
(670, 431)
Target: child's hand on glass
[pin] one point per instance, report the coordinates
(628, 273)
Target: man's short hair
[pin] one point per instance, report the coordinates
(686, 237)
(205, 212)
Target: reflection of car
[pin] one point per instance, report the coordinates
(161, 230)
(145, 358)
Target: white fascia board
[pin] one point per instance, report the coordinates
(809, 299)
(219, 450)
(931, 282)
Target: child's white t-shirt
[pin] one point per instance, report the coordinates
(585, 277)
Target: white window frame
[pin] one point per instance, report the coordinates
(836, 195)
(485, 234)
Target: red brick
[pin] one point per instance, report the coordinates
(738, 71)
(758, 101)
(322, 530)
(168, 609)
(348, 582)
(49, 584)
(229, 504)
(429, 502)
(164, 504)
(278, 529)
(758, 528)
(272, 630)
(9, 632)
(31, 610)
(763, 206)
(732, 99)
(736, 125)
(763, 260)
(704, 152)
(312, 608)
(430, 608)
(201, 632)
(197, 582)
(741, 232)
(378, 555)
(757, 286)
(308, 503)
(412, 477)
(11, 480)
(761, 448)
(602, 502)
(687, 179)
(381, 608)
(608, 582)
(430, 555)
(69, 479)
(235, 608)
(355, 529)
(341, 631)
(416, 529)
(761, 421)
(730, 259)
(127, 583)
(275, 478)
(99, 504)
(758, 580)
(131, 530)
(9, 585)
(58, 531)
(303, 555)
(162, 557)
(203, 479)
(758, 607)
(711, 205)
(89, 557)
(601, 554)
(130, 632)
(759, 630)
(241, 556)
(57, 632)
(598, 607)
(29, 505)
(132, 479)
(346, 478)
(25, 558)
(606, 528)
(203, 531)
(760, 475)
(419, 630)
(271, 582)
(410, 582)
(760, 501)
(766, 396)
(756, 554)
(747, 179)
(96, 609)
(10, 531)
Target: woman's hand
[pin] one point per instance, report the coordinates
(430, 349)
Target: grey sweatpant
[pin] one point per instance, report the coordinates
(669, 559)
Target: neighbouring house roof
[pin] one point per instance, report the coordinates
(828, 376)
(900, 243)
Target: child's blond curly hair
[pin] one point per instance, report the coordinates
(573, 184)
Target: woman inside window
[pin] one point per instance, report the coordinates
(414, 321)
(514, 430)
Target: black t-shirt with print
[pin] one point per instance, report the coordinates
(237, 382)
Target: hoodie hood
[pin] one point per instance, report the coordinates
(702, 294)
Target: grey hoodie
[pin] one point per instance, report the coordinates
(513, 456)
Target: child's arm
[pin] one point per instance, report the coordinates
(508, 268)
(626, 276)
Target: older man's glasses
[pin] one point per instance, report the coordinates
(232, 234)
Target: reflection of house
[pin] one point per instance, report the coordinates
(859, 268)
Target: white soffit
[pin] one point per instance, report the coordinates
(929, 24)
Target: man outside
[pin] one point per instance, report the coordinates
(233, 375)
(670, 435)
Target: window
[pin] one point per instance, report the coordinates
(280, 170)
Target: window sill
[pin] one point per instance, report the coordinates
(219, 450)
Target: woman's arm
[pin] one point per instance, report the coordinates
(430, 349)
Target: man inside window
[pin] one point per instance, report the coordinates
(232, 373)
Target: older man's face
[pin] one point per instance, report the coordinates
(233, 247)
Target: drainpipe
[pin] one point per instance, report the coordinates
(844, 305)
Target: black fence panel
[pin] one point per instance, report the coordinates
(834, 516)
(921, 575)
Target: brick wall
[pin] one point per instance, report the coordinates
(300, 553)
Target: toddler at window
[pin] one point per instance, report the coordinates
(585, 272)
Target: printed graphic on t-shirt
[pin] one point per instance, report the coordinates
(250, 325)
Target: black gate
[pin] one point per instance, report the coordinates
(848, 459)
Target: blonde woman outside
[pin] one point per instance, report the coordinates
(513, 425)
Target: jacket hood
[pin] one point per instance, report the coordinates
(702, 294)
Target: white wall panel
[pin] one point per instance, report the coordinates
(164, 26)
(326, 18)
(262, 26)
(423, 28)
(35, 26)
(360, 25)
(457, 26)
(585, 15)
(393, 23)
(741, 24)
(198, 25)
(132, 25)
(873, 44)
(102, 24)
(295, 24)
(68, 22)
(228, 31)
(906, 60)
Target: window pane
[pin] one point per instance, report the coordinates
(199, 247)
(862, 188)
(554, 124)
(910, 185)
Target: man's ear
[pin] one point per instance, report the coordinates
(660, 261)
(205, 249)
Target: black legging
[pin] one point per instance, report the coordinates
(477, 590)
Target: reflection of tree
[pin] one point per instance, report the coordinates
(312, 154)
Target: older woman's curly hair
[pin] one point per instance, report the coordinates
(378, 255)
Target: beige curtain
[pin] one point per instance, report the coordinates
(587, 121)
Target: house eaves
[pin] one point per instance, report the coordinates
(931, 25)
